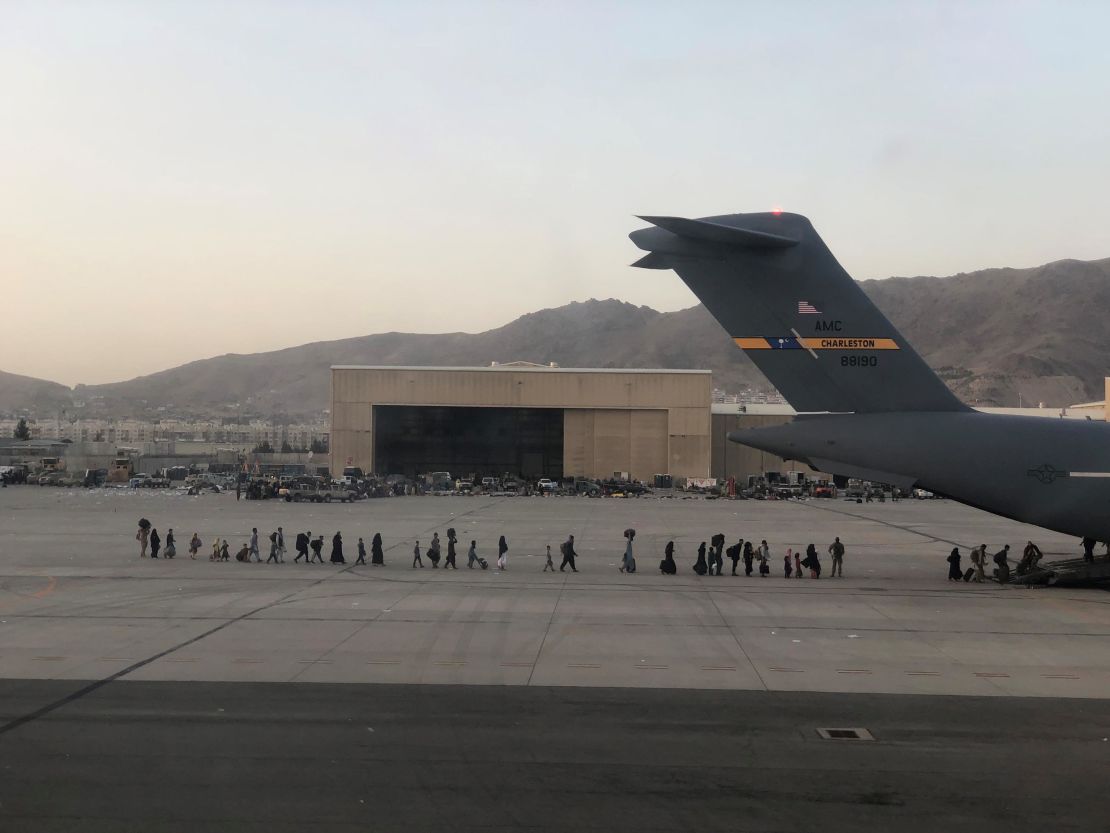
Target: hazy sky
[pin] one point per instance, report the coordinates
(180, 180)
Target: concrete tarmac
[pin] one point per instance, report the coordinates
(206, 757)
(190, 695)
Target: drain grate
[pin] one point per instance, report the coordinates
(845, 734)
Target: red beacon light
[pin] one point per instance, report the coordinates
(777, 210)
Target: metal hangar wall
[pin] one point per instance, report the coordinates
(535, 421)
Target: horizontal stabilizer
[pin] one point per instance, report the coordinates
(654, 260)
(708, 232)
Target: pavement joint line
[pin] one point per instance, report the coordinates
(718, 668)
(852, 671)
(904, 528)
(739, 644)
(582, 665)
(788, 670)
(547, 629)
(652, 667)
(990, 674)
(923, 673)
(1060, 676)
(383, 662)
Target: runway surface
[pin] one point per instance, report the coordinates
(190, 695)
(244, 757)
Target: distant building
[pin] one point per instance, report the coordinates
(524, 420)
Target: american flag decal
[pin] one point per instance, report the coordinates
(806, 308)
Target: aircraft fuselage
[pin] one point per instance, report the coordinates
(1053, 473)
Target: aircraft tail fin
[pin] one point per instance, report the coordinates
(776, 288)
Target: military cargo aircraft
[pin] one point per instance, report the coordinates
(868, 405)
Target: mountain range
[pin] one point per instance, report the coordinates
(997, 337)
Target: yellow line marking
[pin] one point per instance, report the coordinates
(764, 343)
(849, 343)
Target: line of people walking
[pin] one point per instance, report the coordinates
(250, 551)
(709, 561)
(756, 558)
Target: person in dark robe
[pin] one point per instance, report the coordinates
(225, 553)
(749, 558)
(171, 545)
(700, 566)
(155, 543)
(244, 554)
(337, 549)
(317, 548)
(667, 566)
(812, 562)
(788, 564)
(451, 538)
(376, 554)
(955, 573)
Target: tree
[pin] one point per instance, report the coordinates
(286, 448)
(319, 447)
(22, 432)
(263, 447)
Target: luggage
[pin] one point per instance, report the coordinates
(764, 568)
(968, 573)
(483, 562)
(170, 551)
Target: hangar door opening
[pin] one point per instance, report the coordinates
(414, 439)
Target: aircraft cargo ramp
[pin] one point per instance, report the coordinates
(1074, 572)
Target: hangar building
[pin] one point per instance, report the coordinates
(536, 421)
